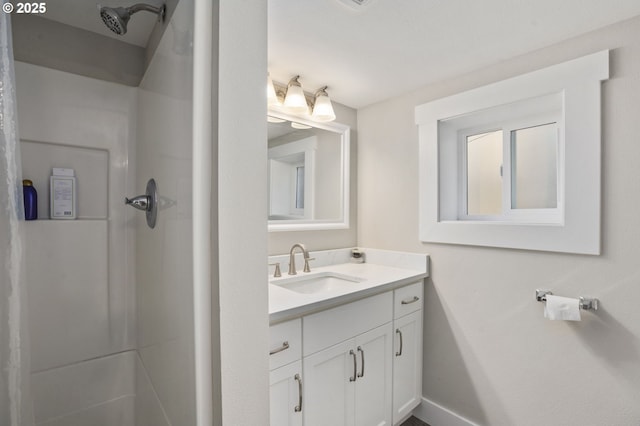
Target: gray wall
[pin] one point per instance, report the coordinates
(488, 353)
(51, 44)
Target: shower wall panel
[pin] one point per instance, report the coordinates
(164, 278)
(65, 112)
(81, 297)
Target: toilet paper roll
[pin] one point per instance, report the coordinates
(562, 308)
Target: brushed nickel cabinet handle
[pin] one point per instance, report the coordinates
(361, 374)
(284, 347)
(355, 366)
(399, 353)
(298, 408)
(408, 302)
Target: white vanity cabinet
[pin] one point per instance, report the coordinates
(407, 359)
(356, 364)
(285, 375)
(348, 364)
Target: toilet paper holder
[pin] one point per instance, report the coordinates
(587, 304)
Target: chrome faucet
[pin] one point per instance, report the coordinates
(292, 259)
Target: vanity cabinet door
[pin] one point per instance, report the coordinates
(329, 389)
(351, 383)
(374, 377)
(285, 395)
(407, 364)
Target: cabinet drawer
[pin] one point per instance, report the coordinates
(338, 324)
(285, 343)
(407, 299)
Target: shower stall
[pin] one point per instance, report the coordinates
(129, 325)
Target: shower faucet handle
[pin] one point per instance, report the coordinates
(148, 203)
(141, 202)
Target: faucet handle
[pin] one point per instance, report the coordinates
(306, 263)
(276, 272)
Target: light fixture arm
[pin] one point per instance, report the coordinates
(321, 91)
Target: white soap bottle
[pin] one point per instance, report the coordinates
(62, 194)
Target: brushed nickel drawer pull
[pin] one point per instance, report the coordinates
(399, 353)
(284, 347)
(298, 407)
(361, 373)
(355, 366)
(408, 302)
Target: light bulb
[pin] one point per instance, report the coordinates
(294, 101)
(323, 109)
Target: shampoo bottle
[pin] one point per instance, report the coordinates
(30, 200)
(62, 195)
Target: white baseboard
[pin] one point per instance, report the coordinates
(436, 415)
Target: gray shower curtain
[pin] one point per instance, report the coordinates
(15, 401)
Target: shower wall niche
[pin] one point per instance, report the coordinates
(91, 166)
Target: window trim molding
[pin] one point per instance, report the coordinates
(579, 232)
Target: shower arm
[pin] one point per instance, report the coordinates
(160, 11)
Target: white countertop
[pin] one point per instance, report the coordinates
(375, 278)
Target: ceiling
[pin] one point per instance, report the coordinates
(390, 47)
(369, 53)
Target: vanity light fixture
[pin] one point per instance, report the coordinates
(293, 100)
(322, 108)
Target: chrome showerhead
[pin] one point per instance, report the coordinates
(116, 18)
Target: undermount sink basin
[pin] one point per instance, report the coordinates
(320, 282)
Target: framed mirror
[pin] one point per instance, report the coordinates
(308, 174)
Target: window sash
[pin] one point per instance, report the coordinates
(508, 213)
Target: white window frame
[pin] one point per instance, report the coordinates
(575, 227)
